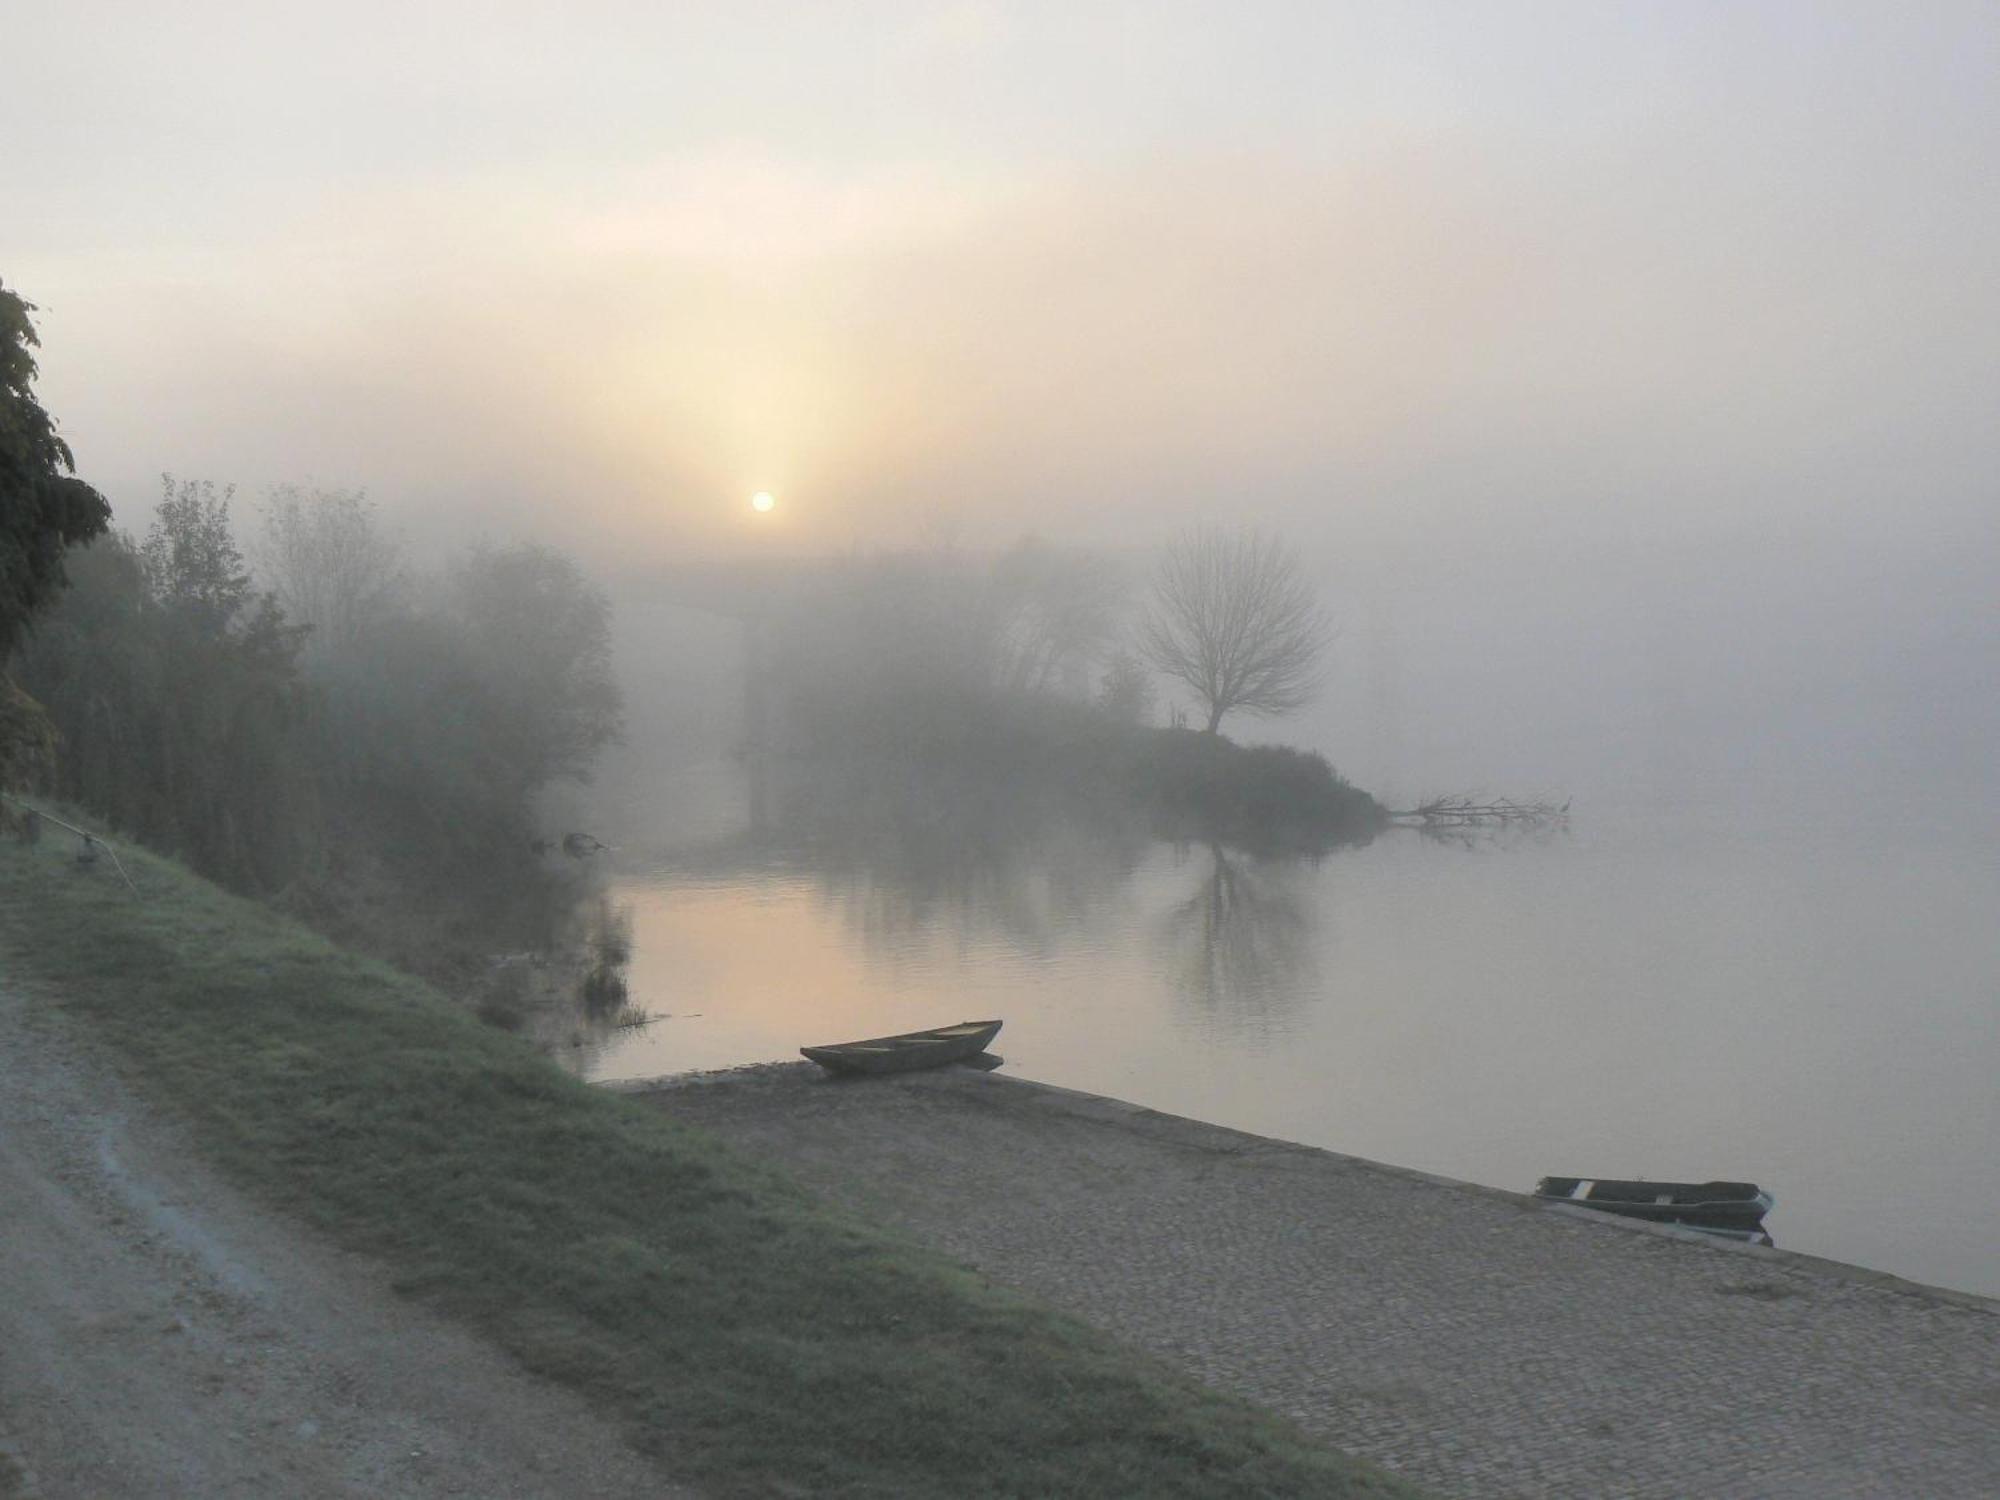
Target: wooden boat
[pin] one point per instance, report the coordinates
(905, 1053)
(1741, 1236)
(1698, 1205)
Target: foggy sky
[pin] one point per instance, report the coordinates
(1625, 370)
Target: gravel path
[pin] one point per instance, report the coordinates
(1466, 1338)
(160, 1338)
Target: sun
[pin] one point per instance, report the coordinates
(763, 500)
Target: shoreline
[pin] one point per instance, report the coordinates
(1105, 1106)
(735, 1333)
(1441, 1328)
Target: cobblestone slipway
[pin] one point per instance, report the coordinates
(1469, 1339)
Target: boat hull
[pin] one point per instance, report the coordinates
(908, 1052)
(1700, 1205)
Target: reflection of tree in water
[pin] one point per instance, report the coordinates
(605, 951)
(1497, 838)
(908, 852)
(1241, 942)
(570, 990)
(926, 851)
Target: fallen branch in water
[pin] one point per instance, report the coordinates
(1465, 811)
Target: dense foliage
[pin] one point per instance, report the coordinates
(175, 688)
(44, 509)
(873, 639)
(376, 774)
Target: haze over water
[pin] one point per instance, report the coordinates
(1623, 373)
(1680, 996)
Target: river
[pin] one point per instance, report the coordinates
(1668, 994)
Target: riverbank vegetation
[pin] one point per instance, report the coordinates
(44, 511)
(331, 732)
(760, 1344)
(1018, 672)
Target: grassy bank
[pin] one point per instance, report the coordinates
(758, 1341)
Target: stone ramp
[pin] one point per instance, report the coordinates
(1469, 1339)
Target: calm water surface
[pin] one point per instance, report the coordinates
(1676, 997)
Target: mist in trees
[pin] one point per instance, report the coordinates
(1028, 668)
(174, 686)
(1127, 691)
(879, 641)
(899, 646)
(329, 565)
(317, 723)
(1055, 613)
(275, 691)
(536, 636)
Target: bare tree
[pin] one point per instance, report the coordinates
(1233, 619)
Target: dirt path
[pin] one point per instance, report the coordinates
(162, 1338)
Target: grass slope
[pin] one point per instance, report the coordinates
(759, 1341)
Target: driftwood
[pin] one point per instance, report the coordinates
(1465, 811)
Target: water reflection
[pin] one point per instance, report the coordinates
(572, 989)
(1241, 943)
(911, 850)
(604, 948)
(1490, 838)
(1805, 1011)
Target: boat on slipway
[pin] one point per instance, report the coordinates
(907, 1052)
(1732, 1209)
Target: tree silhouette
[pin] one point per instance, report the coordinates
(1233, 620)
(44, 509)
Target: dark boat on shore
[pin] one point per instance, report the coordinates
(1697, 1205)
(908, 1052)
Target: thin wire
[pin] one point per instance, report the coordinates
(85, 834)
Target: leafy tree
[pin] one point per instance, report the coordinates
(44, 508)
(322, 554)
(539, 637)
(27, 742)
(1127, 693)
(96, 661)
(177, 689)
(382, 784)
(1233, 619)
(190, 555)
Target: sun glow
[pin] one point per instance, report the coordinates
(763, 500)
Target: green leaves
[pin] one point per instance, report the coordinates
(43, 510)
